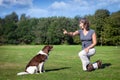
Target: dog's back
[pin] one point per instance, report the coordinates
(36, 60)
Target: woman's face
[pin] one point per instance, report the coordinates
(81, 25)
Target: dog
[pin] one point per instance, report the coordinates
(36, 64)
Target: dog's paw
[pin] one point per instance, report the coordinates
(44, 71)
(41, 72)
(36, 73)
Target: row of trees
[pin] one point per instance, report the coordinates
(28, 30)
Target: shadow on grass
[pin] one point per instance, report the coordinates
(104, 65)
(57, 69)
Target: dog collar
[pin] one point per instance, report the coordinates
(41, 52)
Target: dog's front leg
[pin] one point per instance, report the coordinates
(43, 70)
(40, 67)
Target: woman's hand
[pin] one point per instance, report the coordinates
(64, 31)
(70, 33)
(86, 50)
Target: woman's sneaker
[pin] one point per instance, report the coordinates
(99, 63)
(89, 67)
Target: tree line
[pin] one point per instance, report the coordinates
(26, 30)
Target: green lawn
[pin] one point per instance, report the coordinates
(63, 63)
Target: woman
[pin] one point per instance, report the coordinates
(88, 38)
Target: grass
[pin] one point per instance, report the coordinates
(63, 63)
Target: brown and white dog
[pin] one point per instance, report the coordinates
(36, 64)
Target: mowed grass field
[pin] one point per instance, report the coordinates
(63, 63)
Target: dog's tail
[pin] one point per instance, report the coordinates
(22, 73)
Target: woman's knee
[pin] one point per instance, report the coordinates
(82, 53)
(91, 52)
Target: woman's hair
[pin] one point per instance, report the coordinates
(85, 22)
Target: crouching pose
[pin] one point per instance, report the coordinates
(36, 64)
(88, 39)
(85, 58)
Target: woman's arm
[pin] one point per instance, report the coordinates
(70, 33)
(94, 41)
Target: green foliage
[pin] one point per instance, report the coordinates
(106, 26)
(49, 30)
(102, 13)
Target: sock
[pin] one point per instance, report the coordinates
(95, 66)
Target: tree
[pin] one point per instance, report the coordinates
(112, 29)
(9, 26)
(13, 17)
(50, 30)
(23, 17)
(100, 16)
(25, 34)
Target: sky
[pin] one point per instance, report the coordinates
(49, 8)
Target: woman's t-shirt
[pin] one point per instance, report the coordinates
(86, 39)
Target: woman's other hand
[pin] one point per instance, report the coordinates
(64, 31)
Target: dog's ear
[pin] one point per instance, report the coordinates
(45, 47)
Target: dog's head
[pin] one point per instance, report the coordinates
(47, 48)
